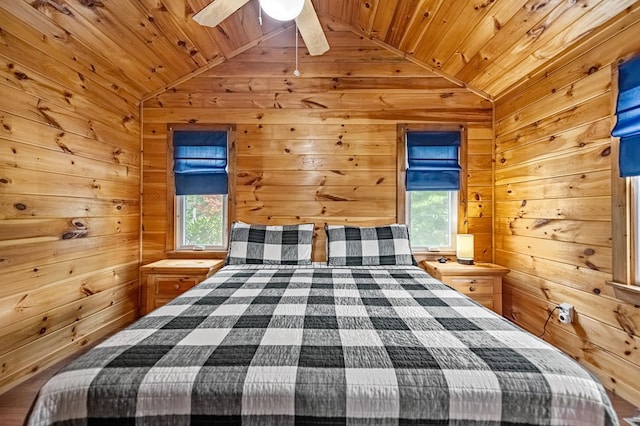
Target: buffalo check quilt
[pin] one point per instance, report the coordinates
(284, 345)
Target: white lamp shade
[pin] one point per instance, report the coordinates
(282, 10)
(464, 248)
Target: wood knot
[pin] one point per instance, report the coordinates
(20, 206)
(91, 3)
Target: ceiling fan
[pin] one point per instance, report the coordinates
(284, 10)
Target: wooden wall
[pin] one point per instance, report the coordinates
(321, 148)
(317, 148)
(69, 196)
(553, 206)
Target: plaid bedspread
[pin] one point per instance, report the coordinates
(320, 345)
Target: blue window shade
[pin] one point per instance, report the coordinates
(432, 159)
(628, 111)
(200, 162)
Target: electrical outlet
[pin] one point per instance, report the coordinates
(565, 316)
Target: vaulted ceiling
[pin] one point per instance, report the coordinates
(146, 46)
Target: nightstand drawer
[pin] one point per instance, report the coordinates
(174, 286)
(472, 286)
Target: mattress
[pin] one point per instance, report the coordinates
(280, 345)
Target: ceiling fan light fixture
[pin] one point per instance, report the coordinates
(282, 10)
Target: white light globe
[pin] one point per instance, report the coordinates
(282, 10)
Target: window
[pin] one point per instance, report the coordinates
(432, 219)
(201, 221)
(200, 184)
(626, 188)
(432, 183)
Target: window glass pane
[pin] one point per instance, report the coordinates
(202, 221)
(432, 218)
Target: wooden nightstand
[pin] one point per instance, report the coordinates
(481, 281)
(165, 279)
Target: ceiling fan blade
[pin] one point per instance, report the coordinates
(311, 30)
(217, 11)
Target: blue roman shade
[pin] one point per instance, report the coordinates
(200, 162)
(432, 161)
(628, 111)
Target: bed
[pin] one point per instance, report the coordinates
(276, 344)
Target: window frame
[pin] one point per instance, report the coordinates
(625, 220)
(171, 250)
(402, 193)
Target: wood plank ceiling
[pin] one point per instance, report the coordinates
(147, 46)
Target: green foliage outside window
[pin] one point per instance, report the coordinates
(430, 219)
(203, 220)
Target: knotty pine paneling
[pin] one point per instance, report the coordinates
(69, 197)
(491, 46)
(140, 48)
(553, 207)
(321, 147)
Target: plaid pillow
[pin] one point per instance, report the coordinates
(270, 245)
(354, 246)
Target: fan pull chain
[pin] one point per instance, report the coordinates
(296, 72)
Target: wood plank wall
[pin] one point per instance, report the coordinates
(553, 207)
(319, 148)
(69, 197)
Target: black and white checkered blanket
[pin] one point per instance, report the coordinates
(283, 345)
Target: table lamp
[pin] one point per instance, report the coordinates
(464, 248)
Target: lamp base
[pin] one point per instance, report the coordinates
(465, 261)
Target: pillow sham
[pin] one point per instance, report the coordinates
(358, 246)
(270, 244)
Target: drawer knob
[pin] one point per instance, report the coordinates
(472, 288)
(176, 286)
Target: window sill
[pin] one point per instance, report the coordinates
(626, 292)
(434, 252)
(196, 254)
